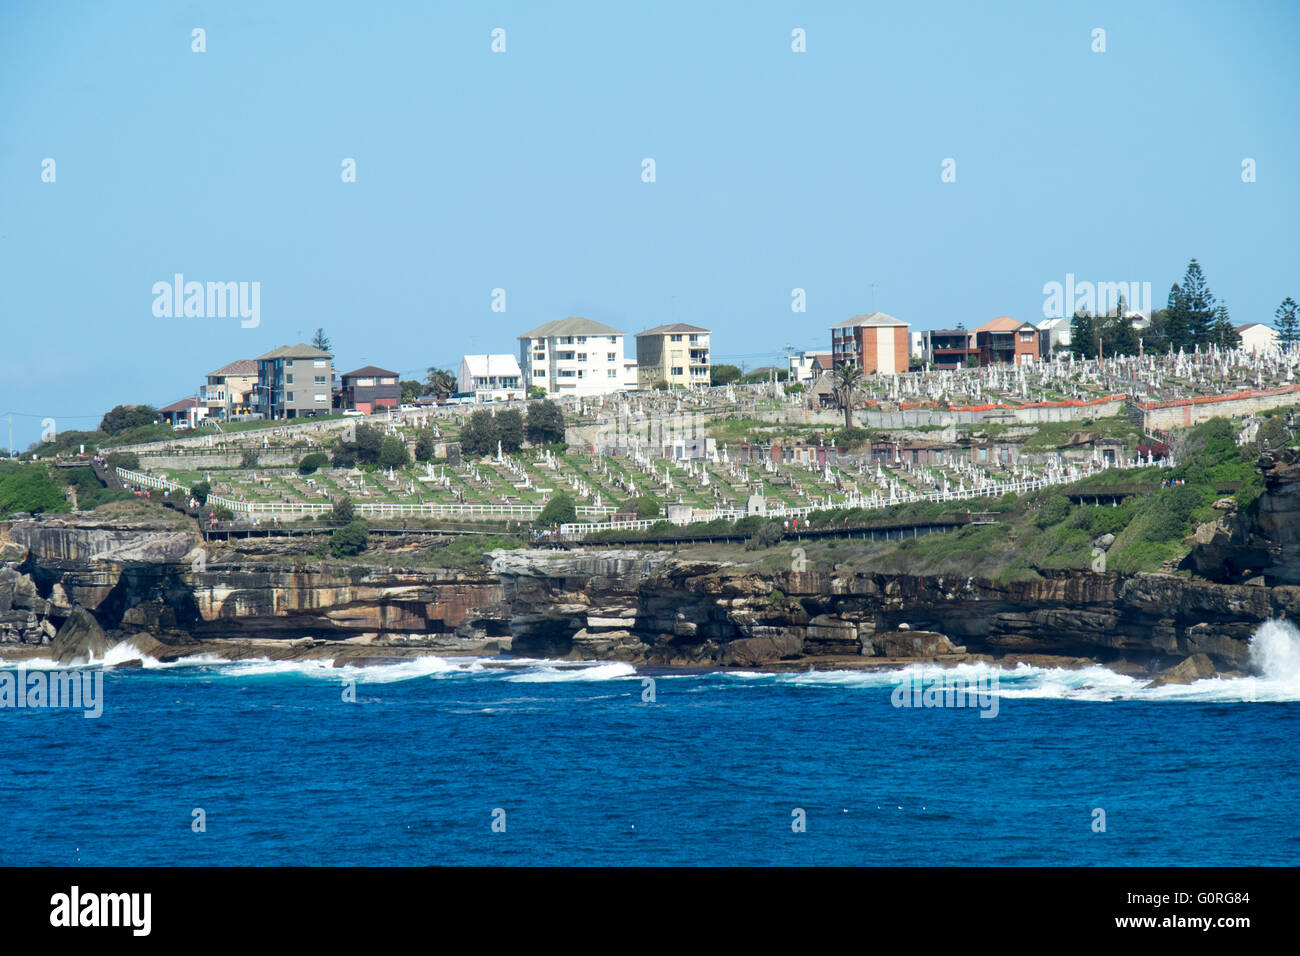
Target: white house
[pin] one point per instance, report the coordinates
(1054, 334)
(1257, 337)
(574, 356)
(490, 378)
(806, 366)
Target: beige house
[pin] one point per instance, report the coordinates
(229, 390)
(1257, 337)
(676, 354)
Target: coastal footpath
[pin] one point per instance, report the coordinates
(72, 587)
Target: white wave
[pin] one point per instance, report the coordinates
(549, 674)
(401, 669)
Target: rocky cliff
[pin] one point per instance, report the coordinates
(648, 608)
(1262, 541)
(78, 584)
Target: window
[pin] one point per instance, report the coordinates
(319, 363)
(539, 372)
(613, 340)
(1026, 336)
(582, 356)
(611, 356)
(694, 338)
(289, 379)
(320, 380)
(320, 397)
(582, 340)
(288, 396)
(677, 370)
(675, 338)
(566, 373)
(611, 373)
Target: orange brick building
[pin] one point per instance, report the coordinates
(875, 342)
(1007, 341)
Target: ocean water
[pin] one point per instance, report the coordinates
(575, 766)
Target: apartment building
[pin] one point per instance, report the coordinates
(875, 343)
(573, 356)
(676, 354)
(228, 391)
(294, 381)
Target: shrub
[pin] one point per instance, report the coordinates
(29, 488)
(200, 490)
(222, 513)
(350, 539)
(545, 423)
(312, 463)
(1052, 511)
(559, 510)
(249, 459)
(510, 430)
(342, 511)
(123, 459)
(425, 445)
(393, 454)
(768, 534)
(646, 506)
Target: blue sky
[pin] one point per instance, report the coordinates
(522, 171)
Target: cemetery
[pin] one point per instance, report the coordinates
(708, 454)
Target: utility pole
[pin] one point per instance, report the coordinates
(11, 434)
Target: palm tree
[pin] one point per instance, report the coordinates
(440, 382)
(848, 379)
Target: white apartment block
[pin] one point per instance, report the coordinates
(574, 356)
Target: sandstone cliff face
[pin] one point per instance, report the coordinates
(1263, 541)
(647, 608)
(635, 606)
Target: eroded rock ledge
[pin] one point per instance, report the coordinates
(78, 585)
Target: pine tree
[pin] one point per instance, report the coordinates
(321, 341)
(1200, 305)
(1174, 327)
(1223, 333)
(1083, 336)
(1287, 323)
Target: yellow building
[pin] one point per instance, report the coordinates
(676, 354)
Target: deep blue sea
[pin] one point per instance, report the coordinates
(578, 768)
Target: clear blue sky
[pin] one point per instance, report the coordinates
(522, 170)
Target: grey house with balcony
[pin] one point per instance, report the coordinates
(294, 381)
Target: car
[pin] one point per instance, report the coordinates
(353, 413)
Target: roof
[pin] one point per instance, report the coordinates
(1254, 325)
(238, 367)
(675, 327)
(301, 350)
(369, 371)
(935, 332)
(1004, 323)
(180, 406)
(570, 326)
(824, 385)
(1054, 323)
(873, 319)
(484, 366)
